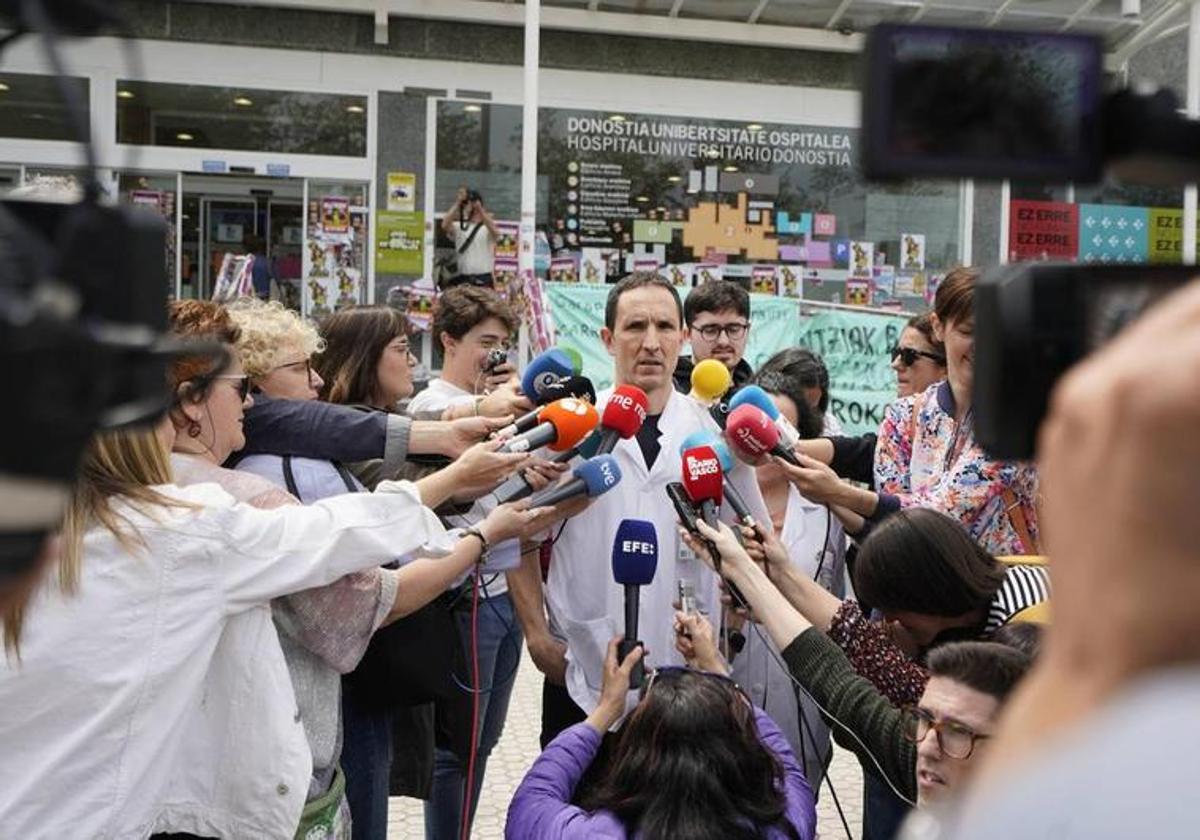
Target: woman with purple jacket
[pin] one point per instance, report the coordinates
(694, 759)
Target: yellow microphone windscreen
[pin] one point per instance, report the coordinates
(710, 379)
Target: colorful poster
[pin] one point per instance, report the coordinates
(858, 293)
(505, 275)
(707, 273)
(855, 348)
(840, 252)
(1042, 230)
(400, 243)
(862, 259)
(1166, 235)
(912, 251)
(593, 266)
(680, 275)
(564, 270)
(1109, 233)
(401, 192)
(419, 309)
(335, 215)
(824, 224)
(647, 264)
(506, 239)
(762, 280)
(790, 284)
(885, 281)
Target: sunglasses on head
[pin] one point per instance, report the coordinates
(681, 669)
(909, 355)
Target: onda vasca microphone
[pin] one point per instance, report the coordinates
(634, 562)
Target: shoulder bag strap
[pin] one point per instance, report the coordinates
(1016, 518)
(289, 478)
(470, 238)
(346, 477)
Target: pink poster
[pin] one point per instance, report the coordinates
(824, 224)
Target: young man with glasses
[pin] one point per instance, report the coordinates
(717, 316)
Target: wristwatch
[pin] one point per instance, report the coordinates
(483, 543)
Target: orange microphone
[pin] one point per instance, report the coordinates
(561, 425)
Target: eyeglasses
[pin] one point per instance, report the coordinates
(304, 363)
(954, 739)
(909, 355)
(243, 384)
(680, 669)
(711, 332)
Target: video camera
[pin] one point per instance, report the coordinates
(988, 103)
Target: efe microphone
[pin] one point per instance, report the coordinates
(634, 561)
(752, 433)
(592, 478)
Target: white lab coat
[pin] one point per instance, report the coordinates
(809, 534)
(585, 605)
(100, 721)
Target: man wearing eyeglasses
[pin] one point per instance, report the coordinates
(717, 315)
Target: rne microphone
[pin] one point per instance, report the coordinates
(752, 433)
(592, 478)
(710, 379)
(754, 395)
(579, 387)
(634, 562)
(517, 487)
(623, 416)
(544, 370)
(561, 425)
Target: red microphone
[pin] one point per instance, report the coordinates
(753, 433)
(624, 414)
(561, 425)
(702, 481)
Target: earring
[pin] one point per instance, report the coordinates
(193, 429)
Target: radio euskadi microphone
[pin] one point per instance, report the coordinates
(731, 493)
(751, 432)
(634, 562)
(592, 478)
(754, 395)
(702, 481)
(561, 425)
(579, 387)
(544, 370)
(517, 487)
(624, 414)
(710, 380)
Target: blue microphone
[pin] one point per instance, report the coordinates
(516, 487)
(593, 477)
(634, 561)
(545, 370)
(756, 396)
(725, 456)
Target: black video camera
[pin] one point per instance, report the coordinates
(986, 103)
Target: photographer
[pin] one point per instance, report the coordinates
(473, 231)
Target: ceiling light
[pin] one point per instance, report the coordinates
(472, 109)
(754, 127)
(674, 179)
(354, 109)
(731, 169)
(124, 94)
(243, 102)
(3, 86)
(617, 117)
(641, 199)
(184, 136)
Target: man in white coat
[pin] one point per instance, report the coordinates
(568, 631)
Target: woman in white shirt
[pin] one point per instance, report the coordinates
(108, 675)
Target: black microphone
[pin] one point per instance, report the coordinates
(634, 561)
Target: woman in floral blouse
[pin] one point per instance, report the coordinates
(927, 455)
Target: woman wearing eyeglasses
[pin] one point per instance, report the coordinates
(693, 759)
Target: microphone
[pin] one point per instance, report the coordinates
(752, 433)
(754, 395)
(594, 477)
(560, 426)
(544, 371)
(623, 415)
(732, 494)
(576, 360)
(634, 561)
(702, 481)
(579, 387)
(710, 379)
(517, 487)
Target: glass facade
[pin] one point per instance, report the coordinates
(32, 106)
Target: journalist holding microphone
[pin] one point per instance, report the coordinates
(569, 631)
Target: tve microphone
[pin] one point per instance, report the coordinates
(754, 395)
(579, 387)
(634, 561)
(702, 481)
(751, 432)
(710, 379)
(560, 426)
(623, 415)
(593, 477)
(544, 371)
